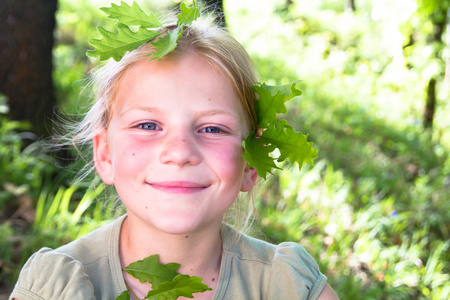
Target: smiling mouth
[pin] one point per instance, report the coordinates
(178, 187)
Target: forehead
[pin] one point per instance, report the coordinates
(186, 78)
(189, 67)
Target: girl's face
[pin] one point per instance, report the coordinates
(173, 148)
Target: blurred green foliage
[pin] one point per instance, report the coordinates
(38, 205)
(373, 211)
(24, 168)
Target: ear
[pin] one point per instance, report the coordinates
(102, 156)
(249, 179)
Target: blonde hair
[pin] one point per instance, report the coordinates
(207, 40)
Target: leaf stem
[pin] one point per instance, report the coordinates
(130, 290)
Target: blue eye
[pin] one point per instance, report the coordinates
(148, 126)
(212, 130)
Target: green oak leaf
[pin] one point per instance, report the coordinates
(150, 270)
(286, 89)
(271, 101)
(257, 154)
(188, 14)
(292, 145)
(131, 15)
(115, 45)
(180, 286)
(166, 44)
(124, 296)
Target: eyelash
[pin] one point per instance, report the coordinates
(145, 126)
(151, 126)
(211, 127)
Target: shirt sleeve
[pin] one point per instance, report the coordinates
(295, 274)
(49, 275)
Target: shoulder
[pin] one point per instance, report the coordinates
(95, 244)
(82, 269)
(52, 275)
(285, 270)
(284, 255)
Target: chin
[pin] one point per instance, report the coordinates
(179, 221)
(179, 225)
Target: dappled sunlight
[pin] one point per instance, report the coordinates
(373, 210)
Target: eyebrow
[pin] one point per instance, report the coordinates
(151, 109)
(141, 108)
(214, 112)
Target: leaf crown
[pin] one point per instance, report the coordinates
(134, 28)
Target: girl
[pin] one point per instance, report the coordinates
(167, 134)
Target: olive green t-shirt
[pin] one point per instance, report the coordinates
(89, 268)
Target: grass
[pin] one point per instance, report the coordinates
(38, 205)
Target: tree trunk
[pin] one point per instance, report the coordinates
(26, 42)
(430, 105)
(217, 7)
(352, 5)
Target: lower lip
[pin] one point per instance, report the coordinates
(174, 189)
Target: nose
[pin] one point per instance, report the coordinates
(180, 148)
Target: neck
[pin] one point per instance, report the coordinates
(198, 253)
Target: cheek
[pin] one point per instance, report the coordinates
(229, 162)
(130, 155)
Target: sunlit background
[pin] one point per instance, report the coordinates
(374, 210)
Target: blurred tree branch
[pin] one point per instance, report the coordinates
(430, 106)
(435, 12)
(217, 7)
